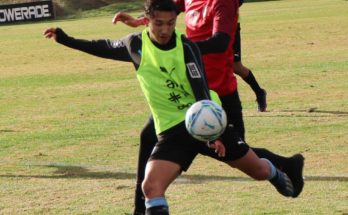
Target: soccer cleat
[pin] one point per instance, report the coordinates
(261, 101)
(294, 169)
(283, 184)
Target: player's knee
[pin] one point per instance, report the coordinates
(151, 190)
(147, 189)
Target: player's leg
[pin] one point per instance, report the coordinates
(148, 140)
(173, 153)
(233, 107)
(291, 166)
(246, 73)
(249, 78)
(246, 160)
(158, 176)
(263, 169)
(239, 155)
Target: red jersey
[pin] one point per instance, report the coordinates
(203, 19)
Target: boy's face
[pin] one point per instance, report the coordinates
(161, 26)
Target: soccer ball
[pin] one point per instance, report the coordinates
(205, 120)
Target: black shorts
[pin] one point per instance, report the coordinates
(178, 146)
(237, 45)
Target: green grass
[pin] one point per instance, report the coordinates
(130, 5)
(69, 122)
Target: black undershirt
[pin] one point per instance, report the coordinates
(170, 45)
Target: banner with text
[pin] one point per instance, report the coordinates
(26, 12)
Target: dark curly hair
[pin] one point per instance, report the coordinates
(160, 5)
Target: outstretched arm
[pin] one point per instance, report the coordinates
(104, 48)
(129, 20)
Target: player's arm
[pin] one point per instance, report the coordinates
(102, 48)
(199, 84)
(129, 20)
(195, 70)
(140, 20)
(218, 43)
(224, 27)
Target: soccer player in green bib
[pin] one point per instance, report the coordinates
(171, 75)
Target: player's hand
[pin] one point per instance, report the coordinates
(219, 148)
(50, 33)
(128, 19)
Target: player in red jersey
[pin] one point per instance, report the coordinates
(207, 19)
(212, 25)
(246, 74)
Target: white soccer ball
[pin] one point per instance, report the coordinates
(205, 120)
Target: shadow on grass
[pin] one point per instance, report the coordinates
(64, 171)
(310, 112)
(315, 110)
(7, 131)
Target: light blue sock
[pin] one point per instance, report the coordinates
(157, 201)
(273, 169)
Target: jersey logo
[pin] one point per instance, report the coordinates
(193, 70)
(117, 44)
(193, 17)
(240, 142)
(163, 69)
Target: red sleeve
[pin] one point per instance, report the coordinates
(225, 16)
(180, 4)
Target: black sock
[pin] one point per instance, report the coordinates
(277, 160)
(139, 201)
(157, 210)
(148, 140)
(251, 80)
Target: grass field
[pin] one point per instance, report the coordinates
(69, 122)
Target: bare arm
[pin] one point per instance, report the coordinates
(129, 20)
